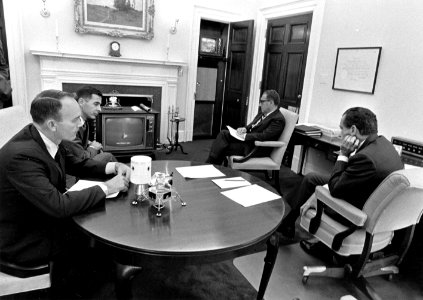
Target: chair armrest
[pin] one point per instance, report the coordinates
(246, 157)
(269, 143)
(345, 209)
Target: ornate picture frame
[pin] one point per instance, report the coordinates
(116, 18)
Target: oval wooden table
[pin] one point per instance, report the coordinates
(210, 228)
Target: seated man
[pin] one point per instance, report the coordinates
(35, 209)
(267, 125)
(364, 161)
(89, 100)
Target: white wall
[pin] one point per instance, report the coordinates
(395, 26)
(39, 33)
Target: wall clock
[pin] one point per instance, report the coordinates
(114, 49)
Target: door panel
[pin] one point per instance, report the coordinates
(285, 57)
(238, 73)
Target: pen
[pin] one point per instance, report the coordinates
(234, 179)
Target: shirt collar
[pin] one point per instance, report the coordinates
(51, 147)
(265, 115)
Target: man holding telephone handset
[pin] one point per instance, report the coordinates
(365, 160)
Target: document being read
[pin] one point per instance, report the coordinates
(251, 195)
(234, 134)
(84, 184)
(205, 171)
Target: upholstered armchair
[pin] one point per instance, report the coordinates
(364, 235)
(274, 160)
(12, 120)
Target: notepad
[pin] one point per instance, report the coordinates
(251, 195)
(205, 171)
(84, 184)
(231, 182)
(234, 134)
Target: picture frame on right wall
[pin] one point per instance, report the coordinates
(356, 69)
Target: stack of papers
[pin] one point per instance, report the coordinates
(232, 182)
(205, 171)
(84, 184)
(234, 134)
(251, 195)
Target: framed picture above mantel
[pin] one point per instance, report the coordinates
(116, 18)
(356, 69)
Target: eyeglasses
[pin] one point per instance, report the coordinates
(263, 100)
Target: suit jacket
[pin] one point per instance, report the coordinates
(268, 129)
(32, 200)
(79, 146)
(355, 180)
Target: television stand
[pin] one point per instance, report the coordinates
(176, 144)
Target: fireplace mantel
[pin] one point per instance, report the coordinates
(57, 68)
(177, 64)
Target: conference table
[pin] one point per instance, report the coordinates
(210, 228)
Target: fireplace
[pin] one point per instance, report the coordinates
(129, 78)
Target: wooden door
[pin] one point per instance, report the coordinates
(238, 74)
(285, 57)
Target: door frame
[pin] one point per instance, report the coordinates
(199, 13)
(287, 9)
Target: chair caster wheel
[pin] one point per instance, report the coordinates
(305, 279)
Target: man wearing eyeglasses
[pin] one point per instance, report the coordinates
(267, 125)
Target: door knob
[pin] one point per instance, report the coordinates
(299, 96)
(237, 100)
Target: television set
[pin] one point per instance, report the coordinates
(125, 131)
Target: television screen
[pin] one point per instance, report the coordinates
(124, 131)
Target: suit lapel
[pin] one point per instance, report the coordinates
(59, 163)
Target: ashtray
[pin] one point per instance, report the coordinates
(152, 193)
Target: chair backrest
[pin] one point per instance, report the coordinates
(12, 120)
(396, 203)
(291, 119)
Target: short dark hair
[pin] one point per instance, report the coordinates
(87, 91)
(47, 105)
(272, 94)
(364, 119)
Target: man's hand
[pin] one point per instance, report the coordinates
(96, 145)
(118, 183)
(349, 145)
(123, 170)
(241, 130)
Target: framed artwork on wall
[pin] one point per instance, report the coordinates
(116, 18)
(356, 69)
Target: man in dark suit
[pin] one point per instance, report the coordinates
(35, 209)
(365, 160)
(267, 125)
(89, 100)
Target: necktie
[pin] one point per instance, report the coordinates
(258, 121)
(62, 180)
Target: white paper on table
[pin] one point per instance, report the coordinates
(232, 182)
(234, 134)
(251, 195)
(83, 184)
(204, 171)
